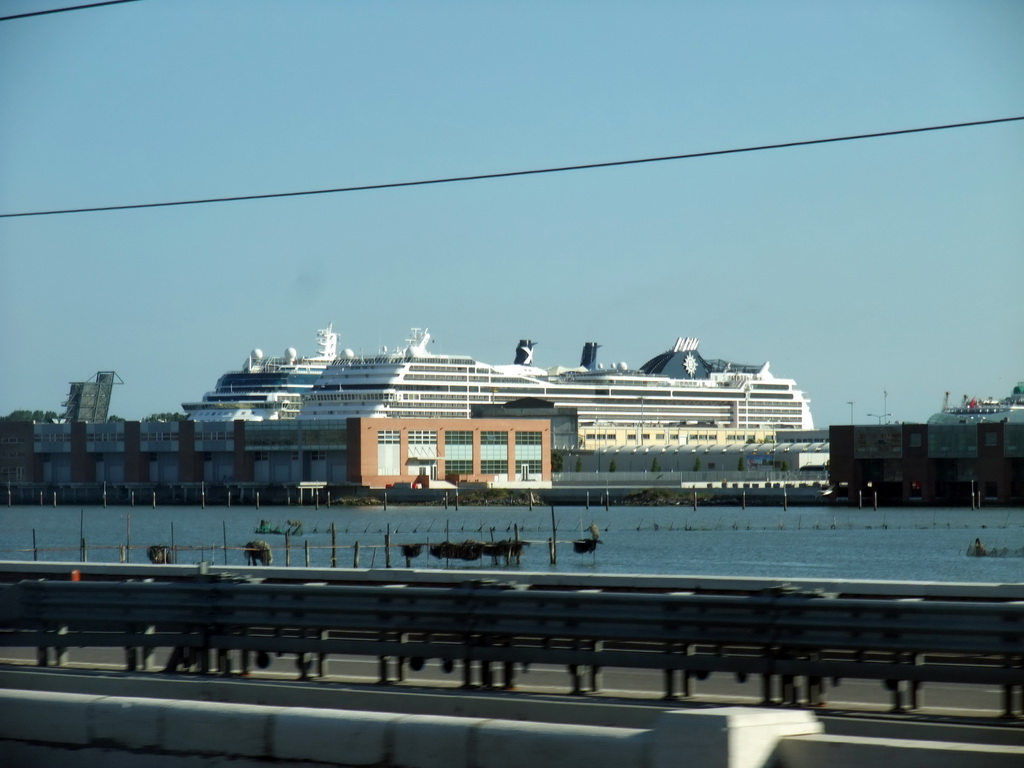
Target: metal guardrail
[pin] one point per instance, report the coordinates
(785, 637)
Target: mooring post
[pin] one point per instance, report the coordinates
(387, 547)
(334, 547)
(554, 536)
(355, 556)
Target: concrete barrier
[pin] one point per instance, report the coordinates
(42, 729)
(52, 730)
(859, 751)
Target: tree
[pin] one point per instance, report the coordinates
(25, 415)
(696, 464)
(556, 461)
(655, 466)
(166, 417)
(579, 464)
(741, 465)
(613, 466)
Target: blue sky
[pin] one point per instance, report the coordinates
(889, 265)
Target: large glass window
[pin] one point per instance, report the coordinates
(458, 466)
(388, 452)
(494, 448)
(458, 452)
(494, 466)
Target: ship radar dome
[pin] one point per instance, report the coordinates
(623, 366)
(348, 353)
(290, 354)
(256, 354)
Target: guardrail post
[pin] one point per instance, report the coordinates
(595, 670)
(467, 662)
(767, 693)
(575, 678)
(815, 685)
(1009, 709)
(509, 675)
(321, 658)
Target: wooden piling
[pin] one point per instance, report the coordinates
(334, 545)
(287, 549)
(306, 543)
(387, 547)
(355, 555)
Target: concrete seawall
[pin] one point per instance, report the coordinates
(40, 730)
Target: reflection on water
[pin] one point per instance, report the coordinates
(802, 542)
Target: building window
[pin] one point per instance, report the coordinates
(915, 439)
(493, 438)
(422, 437)
(494, 466)
(494, 448)
(389, 452)
(529, 452)
(458, 452)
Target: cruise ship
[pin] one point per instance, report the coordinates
(266, 388)
(677, 387)
(974, 410)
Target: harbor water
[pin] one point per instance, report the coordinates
(808, 542)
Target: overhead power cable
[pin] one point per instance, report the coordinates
(508, 174)
(64, 10)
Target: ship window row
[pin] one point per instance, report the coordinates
(361, 396)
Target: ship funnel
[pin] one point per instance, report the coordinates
(524, 352)
(589, 358)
